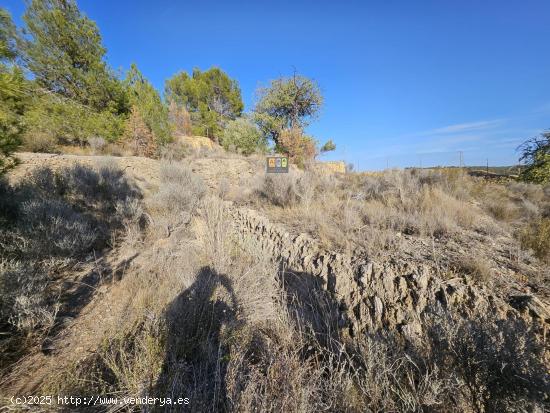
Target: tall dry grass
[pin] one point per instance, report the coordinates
(404, 213)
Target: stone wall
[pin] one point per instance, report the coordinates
(373, 295)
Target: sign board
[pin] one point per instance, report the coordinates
(277, 164)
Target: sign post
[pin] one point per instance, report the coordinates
(277, 164)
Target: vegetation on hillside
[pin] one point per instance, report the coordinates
(170, 289)
(416, 213)
(50, 223)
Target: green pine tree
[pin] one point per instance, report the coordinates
(146, 99)
(65, 54)
(212, 98)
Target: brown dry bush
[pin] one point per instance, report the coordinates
(280, 189)
(138, 137)
(180, 191)
(477, 267)
(300, 148)
(498, 362)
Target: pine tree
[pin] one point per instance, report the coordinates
(146, 99)
(65, 55)
(212, 99)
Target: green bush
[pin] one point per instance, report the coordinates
(243, 136)
(12, 105)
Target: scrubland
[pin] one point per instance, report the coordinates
(108, 290)
(456, 222)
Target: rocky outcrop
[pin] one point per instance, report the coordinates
(373, 295)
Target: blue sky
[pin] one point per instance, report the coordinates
(405, 82)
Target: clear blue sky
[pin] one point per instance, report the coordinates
(403, 81)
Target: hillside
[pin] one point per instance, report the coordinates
(207, 280)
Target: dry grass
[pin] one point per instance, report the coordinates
(369, 211)
(434, 214)
(477, 267)
(180, 191)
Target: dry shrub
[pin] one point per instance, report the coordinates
(133, 219)
(293, 188)
(138, 137)
(266, 372)
(498, 363)
(536, 236)
(279, 189)
(135, 357)
(25, 304)
(475, 266)
(443, 214)
(40, 142)
(300, 148)
(97, 144)
(216, 234)
(179, 194)
(501, 209)
(176, 150)
(524, 191)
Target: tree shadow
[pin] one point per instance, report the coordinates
(199, 321)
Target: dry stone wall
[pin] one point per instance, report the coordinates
(373, 295)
